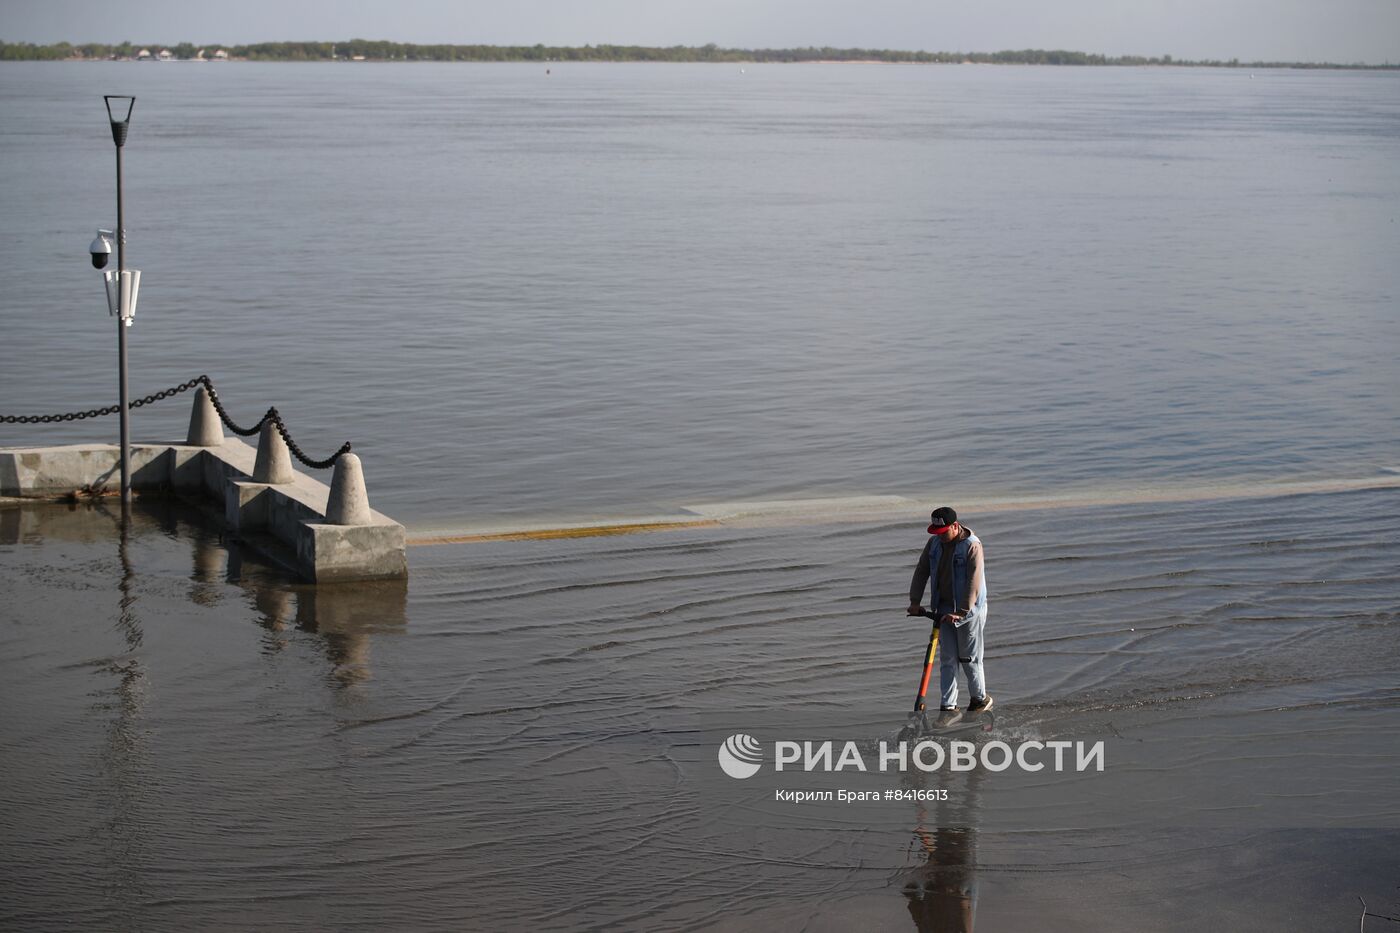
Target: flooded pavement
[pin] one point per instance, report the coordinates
(524, 736)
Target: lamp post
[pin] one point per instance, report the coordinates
(119, 123)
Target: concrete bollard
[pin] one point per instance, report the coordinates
(205, 429)
(348, 503)
(274, 462)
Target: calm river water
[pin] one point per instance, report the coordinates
(622, 289)
(1164, 299)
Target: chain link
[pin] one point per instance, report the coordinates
(271, 415)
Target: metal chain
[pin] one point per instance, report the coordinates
(277, 422)
(100, 412)
(223, 415)
(271, 415)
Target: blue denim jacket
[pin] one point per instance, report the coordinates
(960, 549)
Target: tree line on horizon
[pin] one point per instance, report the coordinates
(383, 50)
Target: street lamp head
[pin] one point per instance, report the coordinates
(101, 249)
(120, 117)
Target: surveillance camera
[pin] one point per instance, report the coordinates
(101, 250)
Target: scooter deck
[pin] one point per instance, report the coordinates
(922, 725)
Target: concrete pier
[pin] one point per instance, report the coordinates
(286, 518)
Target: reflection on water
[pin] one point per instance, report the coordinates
(343, 615)
(346, 615)
(942, 891)
(104, 620)
(124, 758)
(943, 896)
(209, 557)
(524, 736)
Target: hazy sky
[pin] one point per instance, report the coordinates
(1293, 30)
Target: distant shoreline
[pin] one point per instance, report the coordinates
(378, 50)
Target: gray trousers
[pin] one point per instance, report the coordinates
(961, 644)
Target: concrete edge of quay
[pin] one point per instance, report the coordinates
(287, 519)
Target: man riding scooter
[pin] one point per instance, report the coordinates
(951, 564)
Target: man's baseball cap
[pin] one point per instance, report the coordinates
(941, 518)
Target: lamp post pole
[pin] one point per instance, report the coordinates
(119, 128)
